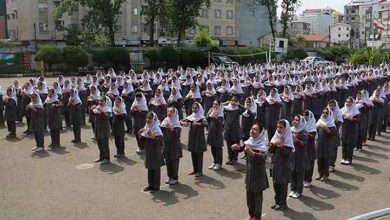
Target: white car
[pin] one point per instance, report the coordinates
(316, 61)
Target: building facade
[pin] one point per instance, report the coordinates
(360, 14)
(3, 19)
(320, 21)
(298, 27)
(340, 34)
(384, 17)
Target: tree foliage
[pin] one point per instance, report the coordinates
(75, 57)
(289, 8)
(271, 7)
(203, 39)
(101, 13)
(182, 15)
(152, 11)
(371, 56)
(50, 56)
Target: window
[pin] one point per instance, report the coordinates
(205, 28)
(135, 11)
(347, 35)
(347, 28)
(229, 1)
(352, 18)
(217, 30)
(352, 11)
(134, 29)
(229, 14)
(339, 28)
(339, 35)
(191, 31)
(217, 0)
(204, 12)
(217, 13)
(43, 27)
(229, 30)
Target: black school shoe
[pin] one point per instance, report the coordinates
(280, 207)
(147, 189)
(154, 190)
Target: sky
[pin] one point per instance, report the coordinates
(312, 4)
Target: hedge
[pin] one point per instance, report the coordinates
(115, 57)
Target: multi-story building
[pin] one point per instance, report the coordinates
(298, 27)
(3, 19)
(319, 20)
(220, 19)
(340, 34)
(231, 22)
(384, 17)
(360, 15)
(337, 16)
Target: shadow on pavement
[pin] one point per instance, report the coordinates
(364, 159)
(211, 182)
(349, 176)
(60, 150)
(341, 185)
(374, 155)
(315, 204)
(292, 214)
(323, 193)
(81, 145)
(386, 143)
(39, 155)
(365, 169)
(374, 147)
(126, 161)
(229, 174)
(168, 198)
(111, 168)
(16, 139)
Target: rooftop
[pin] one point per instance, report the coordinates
(314, 37)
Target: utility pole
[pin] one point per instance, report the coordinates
(35, 37)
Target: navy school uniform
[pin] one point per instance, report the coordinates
(118, 131)
(154, 160)
(215, 138)
(54, 122)
(37, 126)
(232, 132)
(172, 151)
(102, 133)
(197, 145)
(76, 120)
(299, 161)
(10, 115)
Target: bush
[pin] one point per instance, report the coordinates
(75, 57)
(12, 69)
(50, 56)
(115, 57)
(170, 56)
(154, 56)
(193, 58)
(203, 39)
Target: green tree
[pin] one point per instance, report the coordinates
(182, 15)
(49, 55)
(289, 8)
(152, 11)
(203, 39)
(75, 57)
(101, 13)
(271, 6)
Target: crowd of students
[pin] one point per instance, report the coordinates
(238, 105)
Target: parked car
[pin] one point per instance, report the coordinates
(316, 61)
(223, 60)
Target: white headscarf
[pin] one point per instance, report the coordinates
(274, 99)
(127, 90)
(113, 90)
(50, 100)
(107, 108)
(258, 143)
(174, 122)
(329, 121)
(311, 123)
(141, 104)
(195, 94)
(175, 97)
(158, 100)
(154, 127)
(75, 98)
(13, 95)
(196, 116)
(301, 127)
(210, 92)
(350, 111)
(252, 107)
(119, 110)
(219, 112)
(287, 136)
(38, 103)
(94, 96)
(259, 99)
(337, 114)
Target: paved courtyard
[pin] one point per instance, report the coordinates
(65, 184)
